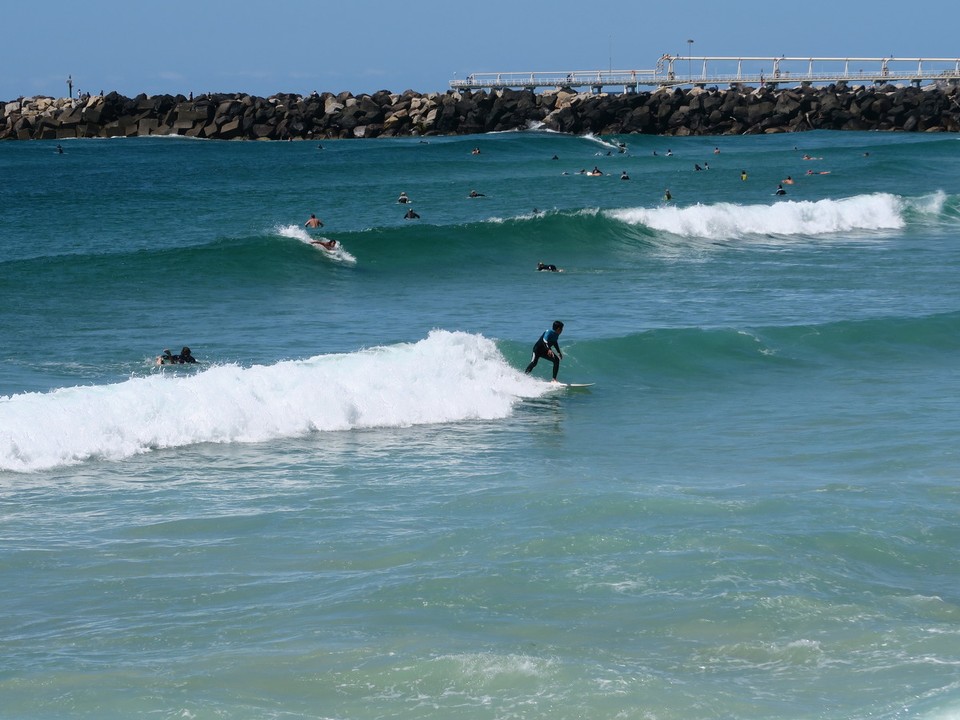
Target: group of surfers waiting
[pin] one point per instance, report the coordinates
(314, 222)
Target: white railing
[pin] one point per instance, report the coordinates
(748, 70)
(557, 79)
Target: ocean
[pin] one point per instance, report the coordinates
(356, 506)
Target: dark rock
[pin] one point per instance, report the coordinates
(384, 114)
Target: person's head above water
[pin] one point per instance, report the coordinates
(557, 325)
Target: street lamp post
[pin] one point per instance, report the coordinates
(689, 52)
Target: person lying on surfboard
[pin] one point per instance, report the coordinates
(542, 348)
(325, 244)
(185, 357)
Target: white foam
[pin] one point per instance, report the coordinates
(601, 141)
(447, 377)
(338, 254)
(727, 221)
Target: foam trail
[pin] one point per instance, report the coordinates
(338, 254)
(726, 221)
(447, 377)
(601, 141)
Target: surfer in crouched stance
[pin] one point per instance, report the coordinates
(547, 346)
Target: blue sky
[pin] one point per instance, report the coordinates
(364, 46)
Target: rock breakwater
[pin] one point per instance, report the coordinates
(676, 112)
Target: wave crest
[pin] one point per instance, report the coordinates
(726, 221)
(447, 377)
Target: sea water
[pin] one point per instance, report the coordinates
(356, 505)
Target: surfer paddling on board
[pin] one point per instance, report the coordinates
(547, 346)
(325, 244)
(314, 222)
(185, 357)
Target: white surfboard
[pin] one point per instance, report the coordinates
(336, 253)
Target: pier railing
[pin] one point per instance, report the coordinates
(703, 71)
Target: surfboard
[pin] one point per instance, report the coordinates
(337, 253)
(578, 385)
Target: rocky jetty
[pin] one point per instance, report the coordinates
(672, 112)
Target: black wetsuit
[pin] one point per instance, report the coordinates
(540, 349)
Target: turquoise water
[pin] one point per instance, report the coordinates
(357, 506)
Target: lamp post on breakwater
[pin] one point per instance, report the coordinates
(689, 52)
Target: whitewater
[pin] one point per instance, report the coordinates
(447, 377)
